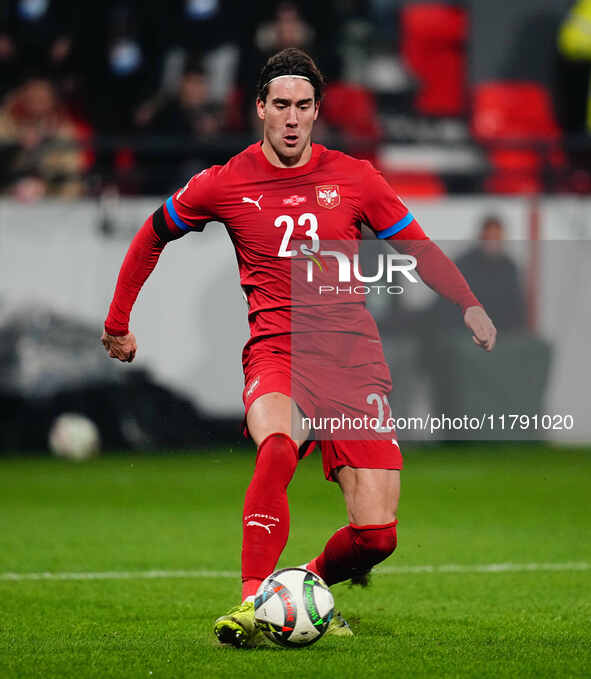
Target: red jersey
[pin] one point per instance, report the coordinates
(275, 215)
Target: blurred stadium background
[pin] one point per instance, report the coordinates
(472, 112)
(479, 114)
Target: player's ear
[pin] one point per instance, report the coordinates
(317, 107)
(260, 109)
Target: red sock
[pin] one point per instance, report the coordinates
(266, 512)
(354, 549)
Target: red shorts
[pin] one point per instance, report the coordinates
(345, 400)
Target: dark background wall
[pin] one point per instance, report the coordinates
(515, 38)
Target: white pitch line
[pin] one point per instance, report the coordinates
(119, 575)
(486, 568)
(383, 570)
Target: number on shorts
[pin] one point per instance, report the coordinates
(384, 412)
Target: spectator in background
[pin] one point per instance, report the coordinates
(190, 119)
(347, 109)
(36, 34)
(198, 26)
(39, 142)
(574, 81)
(494, 278)
(514, 381)
(190, 112)
(122, 47)
(208, 32)
(574, 44)
(286, 28)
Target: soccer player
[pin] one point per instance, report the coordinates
(272, 196)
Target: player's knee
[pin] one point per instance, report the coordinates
(277, 452)
(376, 543)
(278, 445)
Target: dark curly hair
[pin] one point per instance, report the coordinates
(290, 61)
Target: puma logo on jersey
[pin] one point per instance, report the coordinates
(267, 526)
(246, 199)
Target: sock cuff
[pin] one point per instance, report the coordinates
(375, 526)
(281, 435)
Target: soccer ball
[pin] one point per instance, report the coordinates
(74, 437)
(293, 607)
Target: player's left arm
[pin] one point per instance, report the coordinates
(442, 275)
(381, 206)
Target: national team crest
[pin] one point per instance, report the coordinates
(328, 196)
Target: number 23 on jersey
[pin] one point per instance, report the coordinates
(308, 219)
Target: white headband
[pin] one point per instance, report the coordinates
(287, 75)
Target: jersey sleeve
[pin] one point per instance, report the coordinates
(190, 208)
(383, 211)
(140, 260)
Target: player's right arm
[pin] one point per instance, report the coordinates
(188, 209)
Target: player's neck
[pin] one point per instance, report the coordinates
(278, 160)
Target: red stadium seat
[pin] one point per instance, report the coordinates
(518, 113)
(433, 39)
(352, 110)
(513, 110)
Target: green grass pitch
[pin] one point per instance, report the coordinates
(460, 506)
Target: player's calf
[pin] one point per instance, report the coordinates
(375, 542)
(353, 551)
(266, 510)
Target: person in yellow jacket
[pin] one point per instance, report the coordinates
(574, 45)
